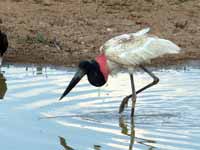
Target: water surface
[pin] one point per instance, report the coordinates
(31, 117)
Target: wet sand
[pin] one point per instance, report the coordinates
(64, 32)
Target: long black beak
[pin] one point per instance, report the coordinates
(77, 77)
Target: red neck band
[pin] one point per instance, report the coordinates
(102, 61)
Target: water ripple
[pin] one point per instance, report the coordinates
(167, 115)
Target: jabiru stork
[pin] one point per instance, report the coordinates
(123, 52)
(3, 45)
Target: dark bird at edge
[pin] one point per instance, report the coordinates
(3, 45)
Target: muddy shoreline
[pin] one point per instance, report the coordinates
(64, 32)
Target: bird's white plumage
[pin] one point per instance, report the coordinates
(129, 50)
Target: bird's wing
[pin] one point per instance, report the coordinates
(123, 38)
(134, 49)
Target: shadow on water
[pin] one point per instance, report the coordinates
(3, 86)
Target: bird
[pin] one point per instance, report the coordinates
(3, 45)
(3, 86)
(124, 52)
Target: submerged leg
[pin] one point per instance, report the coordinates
(133, 95)
(155, 81)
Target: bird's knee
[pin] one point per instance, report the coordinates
(156, 80)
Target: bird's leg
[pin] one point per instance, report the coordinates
(155, 81)
(133, 95)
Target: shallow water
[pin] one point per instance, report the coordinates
(31, 117)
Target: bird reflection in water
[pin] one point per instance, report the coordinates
(3, 86)
(41, 71)
(132, 134)
(36, 70)
(67, 147)
(124, 127)
(64, 144)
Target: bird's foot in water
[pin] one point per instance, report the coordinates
(123, 104)
(1, 70)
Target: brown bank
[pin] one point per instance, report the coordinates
(63, 32)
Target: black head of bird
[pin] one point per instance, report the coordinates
(96, 71)
(3, 43)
